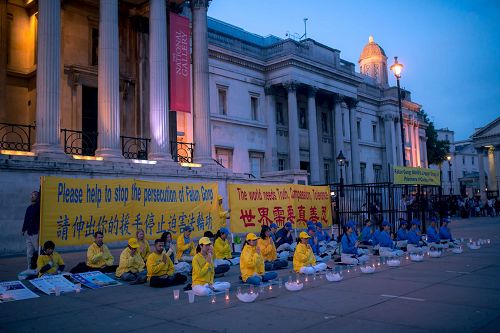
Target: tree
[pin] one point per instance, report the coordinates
(437, 150)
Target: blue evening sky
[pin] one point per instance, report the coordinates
(450, 48)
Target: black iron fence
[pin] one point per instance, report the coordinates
(79, 142)
(16, 137)
(386, 201)
(182, 152)
(135, 148)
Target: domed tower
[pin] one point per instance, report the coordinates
(373, 62)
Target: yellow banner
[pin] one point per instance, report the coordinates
(416, 176)
(73, 209)
(253, 206)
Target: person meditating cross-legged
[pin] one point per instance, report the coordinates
(252, 263)
(161, 269)
(204, 270)
(304, 260)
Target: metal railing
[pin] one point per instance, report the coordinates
(16, 136)
(135, 148)
(79, 142)
(182, 152)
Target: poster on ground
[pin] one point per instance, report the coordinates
(253, 206)
(14, 291)
(48, 284)
(95, 280)
(73, 209)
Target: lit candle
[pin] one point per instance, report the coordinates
(270, 287)
(213, 299)
(306, 279)
(227, 295)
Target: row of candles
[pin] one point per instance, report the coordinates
(307, 278)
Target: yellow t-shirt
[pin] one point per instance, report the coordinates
(144, 248)
(303, 256)
(129, 263)
(251, 263)
(267, 249)
(44, 260)
(156, 266)
(98, 257)
(203, 271)
(222, 249)
(182, 246)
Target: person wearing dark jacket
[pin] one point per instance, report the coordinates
(31, 226)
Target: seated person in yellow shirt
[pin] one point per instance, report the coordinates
(171, 251)
(222, 249)
(49, 262)
(304, 260)
(131, 267)
(204, 270)
(268, 251)
(161, 269)
(144, 249)
(98, 257)
(221, 265)
(252, 263)
(185, 246)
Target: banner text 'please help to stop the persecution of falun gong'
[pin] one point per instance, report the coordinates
(72, 209)
(253, 206)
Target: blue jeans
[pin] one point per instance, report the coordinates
(258, 279)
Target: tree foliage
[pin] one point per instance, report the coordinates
(437, 150)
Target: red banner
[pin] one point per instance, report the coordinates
(180, 70)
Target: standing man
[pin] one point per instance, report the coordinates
(31, 226)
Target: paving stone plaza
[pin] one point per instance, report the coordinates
(454, 293)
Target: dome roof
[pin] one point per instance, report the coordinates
(371, 49)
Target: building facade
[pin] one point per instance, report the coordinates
(473, 164)
(84, 93)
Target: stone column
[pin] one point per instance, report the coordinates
(158, 82)
(3, 58)
(355, 165)
(482, 183)
(424, 152)
(338, 135)
(272, 144)
(410, 140)
(48, 75)
(108, 91)
(389, 137)
(201, 97)
(417, 145)
(497, 166)
(399, 150)
(293, 125)
(313, 135)
(492, 175)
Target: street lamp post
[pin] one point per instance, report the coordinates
(449, 173)
(397, 68)
(341, 163)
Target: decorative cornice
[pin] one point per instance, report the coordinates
(350, 102)
(200, 4)
(311, 91)
(291, 85)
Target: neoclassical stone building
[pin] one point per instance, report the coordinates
(84, 93)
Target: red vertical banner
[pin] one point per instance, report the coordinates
(180, 64)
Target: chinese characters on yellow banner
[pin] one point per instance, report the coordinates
(73, 209)
(253, 206)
